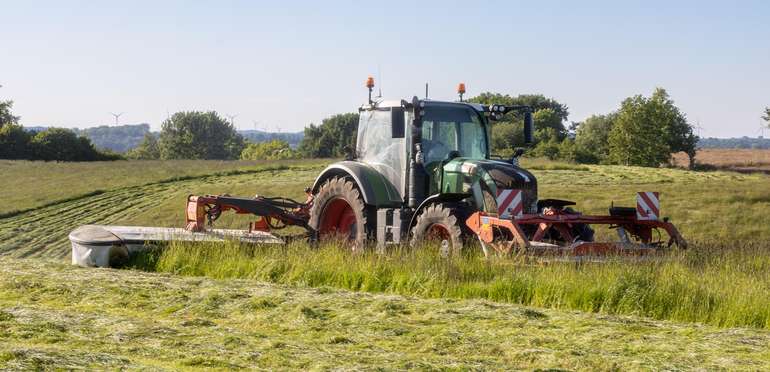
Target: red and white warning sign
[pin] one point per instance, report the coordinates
(509, 203)
(647, 205)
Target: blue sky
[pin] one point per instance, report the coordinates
(284, 64)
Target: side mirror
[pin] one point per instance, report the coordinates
(529, 127)
(397, 122)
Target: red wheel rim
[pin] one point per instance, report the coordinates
(338, 218)
(438, 232)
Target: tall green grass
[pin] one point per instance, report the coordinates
(714, 284)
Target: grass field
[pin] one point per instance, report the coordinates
(44, 183)
(723, 281)
(55, 316)
(723, 286)
(705, 206)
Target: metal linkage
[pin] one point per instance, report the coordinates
(273, 213)
(485, 226)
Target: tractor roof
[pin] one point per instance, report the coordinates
(387, 103)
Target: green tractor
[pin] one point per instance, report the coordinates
(422, 170)
(419, 170)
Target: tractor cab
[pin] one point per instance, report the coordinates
(390, 134)
(426, 148)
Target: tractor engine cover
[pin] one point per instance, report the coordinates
(493, 176)
(508, 176)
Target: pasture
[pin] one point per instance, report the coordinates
(708, 305)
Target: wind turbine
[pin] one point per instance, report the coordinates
(117, 116)
(698, 128)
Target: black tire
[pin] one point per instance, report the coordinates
(328, 221)
(438, 222)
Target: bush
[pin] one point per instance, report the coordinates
(64, 145)
(51, 144)
(270, 150)
(148, 149)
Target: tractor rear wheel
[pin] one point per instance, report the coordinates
(339, 212)
(437, 224)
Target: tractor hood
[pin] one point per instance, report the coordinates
(506, 175)
(481, 177)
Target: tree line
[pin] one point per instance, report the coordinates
(206, 135)
(643, 131)
(51, 144)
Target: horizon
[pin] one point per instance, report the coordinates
(286, 67)
(152, 130)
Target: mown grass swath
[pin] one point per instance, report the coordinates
(717, 284)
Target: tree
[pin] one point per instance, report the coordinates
(199, 135)
(331, 137)
(536, 101)
(548, 121)
(507, 133)
(679, 133)
(638, 136)
(506, 136)
(148, 149)
(6, 117)
(270, 150)
(14, 142)
(591, 137)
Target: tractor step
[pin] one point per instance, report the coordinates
(106, 246)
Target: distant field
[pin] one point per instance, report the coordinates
(741, 160)
(30, 184)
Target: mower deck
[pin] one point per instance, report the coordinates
(104, 246)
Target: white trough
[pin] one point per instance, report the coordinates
(105, 246)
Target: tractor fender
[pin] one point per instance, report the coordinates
(374, 187)
(432, 199)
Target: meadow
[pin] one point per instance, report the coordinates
(54, 316)
(718, 291)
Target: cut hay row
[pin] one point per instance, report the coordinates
(55, 316)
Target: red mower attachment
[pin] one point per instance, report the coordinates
(557, 230)
(272, 213)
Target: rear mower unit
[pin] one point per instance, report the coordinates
(422, 171)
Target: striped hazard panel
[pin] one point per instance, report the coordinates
(647, 205)
(509, 203)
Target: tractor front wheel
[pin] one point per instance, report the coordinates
(339, 212)
(436, 224)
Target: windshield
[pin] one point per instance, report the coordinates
(448, 128)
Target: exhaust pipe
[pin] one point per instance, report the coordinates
(529, 127)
